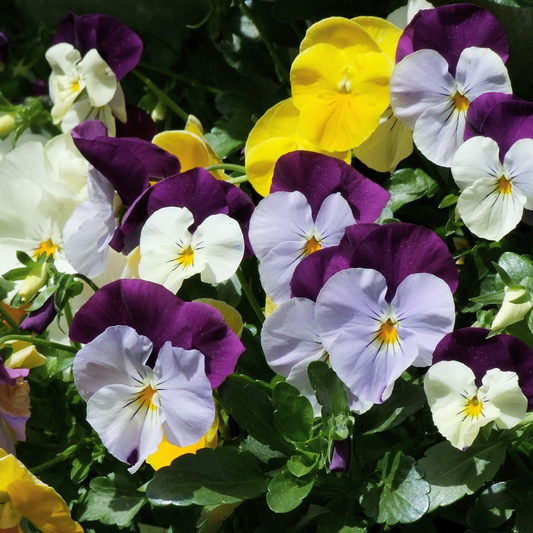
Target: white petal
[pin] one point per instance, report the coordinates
(488, 213)
(423, 304)
(503, 390)
(420, 82)
(334, 216)
(129, 429)
(480, 71)
(185, 394)
(218, 244)
(100, 79)
(116, 356)
(511, 313)
(477, 158)
(63, 58)
(519, 162)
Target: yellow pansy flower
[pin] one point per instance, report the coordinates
(276, 134)
(341, 89)
(22, 495)
(190, 147)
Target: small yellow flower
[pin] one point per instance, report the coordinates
(22, 495)
(190, 147)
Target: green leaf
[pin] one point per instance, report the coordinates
(493, 507)
(113, 500)
(211, 477)
(301, 465)
(400, 496)
(252, 409)
(405, 400)
(293, 413)
(5, 288)
(329, 389)
(286, 492)
(453, 473)
(449, 200)
(516, 266)
(407, 185)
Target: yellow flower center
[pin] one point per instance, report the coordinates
(473, 407)
(387, 333)
(76, 86)
(146, 397)
(461, 101)
(46, 247)
(504, 185)
(312, 245)
(186, 257)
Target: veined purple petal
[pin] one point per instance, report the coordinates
(120, 47)
(128, 163)
(37, 321)
(317, 176)
(471, 347)
(479, 108)
(450, 29)
(158, 314)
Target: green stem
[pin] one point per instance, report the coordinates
(38, 342)
(162, 95)
(193, 83)
(238, 179)
(226, 166)
(8, 319)
(89, 282)
(250, 295)
(283, 73)
(60, 457)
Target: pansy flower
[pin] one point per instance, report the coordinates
(321, 196)
(340, 89)
(494, 169)
(22, 495)
(439, 73)
(477, 380)
(89, 56)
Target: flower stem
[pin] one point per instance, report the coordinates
(226, 166)
(60, 457)
(38, 342)
(238, 179)
(250, 295)
(5, 316)
(162, 95)
(283, 73)
(89, 282)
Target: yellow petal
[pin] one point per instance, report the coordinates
(25, 355)
(270, 306)
(187, 147)
(34, 500)
(384, 33)
(390, 143)
(167, 452)
(339, 32)
(232, 317)
(194, 126)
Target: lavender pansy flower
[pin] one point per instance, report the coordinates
(440, 73)
(321, 196)
(159, 315)
(494, 170)
(371, 340)
(130, 403)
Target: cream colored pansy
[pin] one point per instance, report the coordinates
(190, 147)
(276, 134)
(460, 409)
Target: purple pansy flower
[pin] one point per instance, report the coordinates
(119, 46)
(319, 197)
(340, 457)
(439, 73)
(156, 313)
(37, 321)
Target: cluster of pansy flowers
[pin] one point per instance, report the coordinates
(139, 215)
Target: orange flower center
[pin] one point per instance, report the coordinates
(504, 185)
(461, 101)
(312, 245)
(46, 247)
(387, 333)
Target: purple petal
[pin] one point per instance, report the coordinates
(120, 47)
(158, 314)
(450, 29)
(471, 347)
(317, 176)
(340, 459)
(37, 321)
(128, 163)
(507, 122)
(399, 250)
(138, 124)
